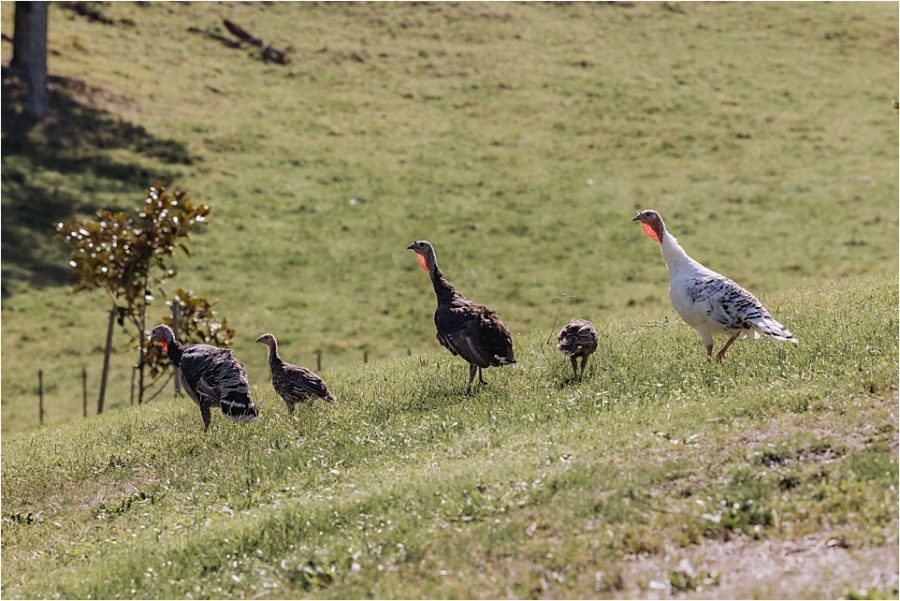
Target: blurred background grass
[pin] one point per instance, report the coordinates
(519, 139)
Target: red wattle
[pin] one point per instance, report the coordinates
(423, 264)
(650, 232)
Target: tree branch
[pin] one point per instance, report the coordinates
(160, 389)
(269, 52)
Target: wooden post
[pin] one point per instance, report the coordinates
(41, 396)
(175, 312)
(142, 348)
(106, 352)
(318, 361)
(131, 397)
(84, 391)
(365, 356)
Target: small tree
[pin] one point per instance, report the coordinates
(127, 256)
(198, 322)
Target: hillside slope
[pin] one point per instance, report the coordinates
(518, 138)
(773, 475)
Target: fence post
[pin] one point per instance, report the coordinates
(318, 361)
(131, 397)
(84, 391)
(41, 396)
(175, 311)
(106, 352)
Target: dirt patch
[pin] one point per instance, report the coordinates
(811, 567)
(873, 415)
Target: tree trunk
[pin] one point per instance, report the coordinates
(30, 55)
(109, 333)
(20, 37)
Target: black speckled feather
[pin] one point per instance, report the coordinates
(732, 306)
(212, 375)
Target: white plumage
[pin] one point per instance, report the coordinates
(708, 301)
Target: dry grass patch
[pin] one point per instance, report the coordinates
(815, 566)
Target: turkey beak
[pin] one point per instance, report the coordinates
(411, 246)
(637, 217)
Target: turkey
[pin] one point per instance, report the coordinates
(210, 375)
(707, 301)
(578, 338)
(465, 328)
(293, 383)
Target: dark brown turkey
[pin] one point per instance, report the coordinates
(293, 383)
(578, 338)
(465, 328)
(210, 375)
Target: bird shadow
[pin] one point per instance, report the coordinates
(567, 379)
(63, 166)
(449, 397)
(570, 380)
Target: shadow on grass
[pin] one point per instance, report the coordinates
(62, 167)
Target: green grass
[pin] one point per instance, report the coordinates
(519, 139)
(529, 488)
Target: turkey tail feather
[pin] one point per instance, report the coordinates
(772, 328)
(239, 407)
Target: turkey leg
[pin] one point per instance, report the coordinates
(720, 357)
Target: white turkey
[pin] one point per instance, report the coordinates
(707, 301)
(578, 338)
(293, 383)
(210, 375)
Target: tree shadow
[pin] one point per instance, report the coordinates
(68, 164)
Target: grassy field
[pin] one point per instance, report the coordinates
(519, 139)
(773, 475)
